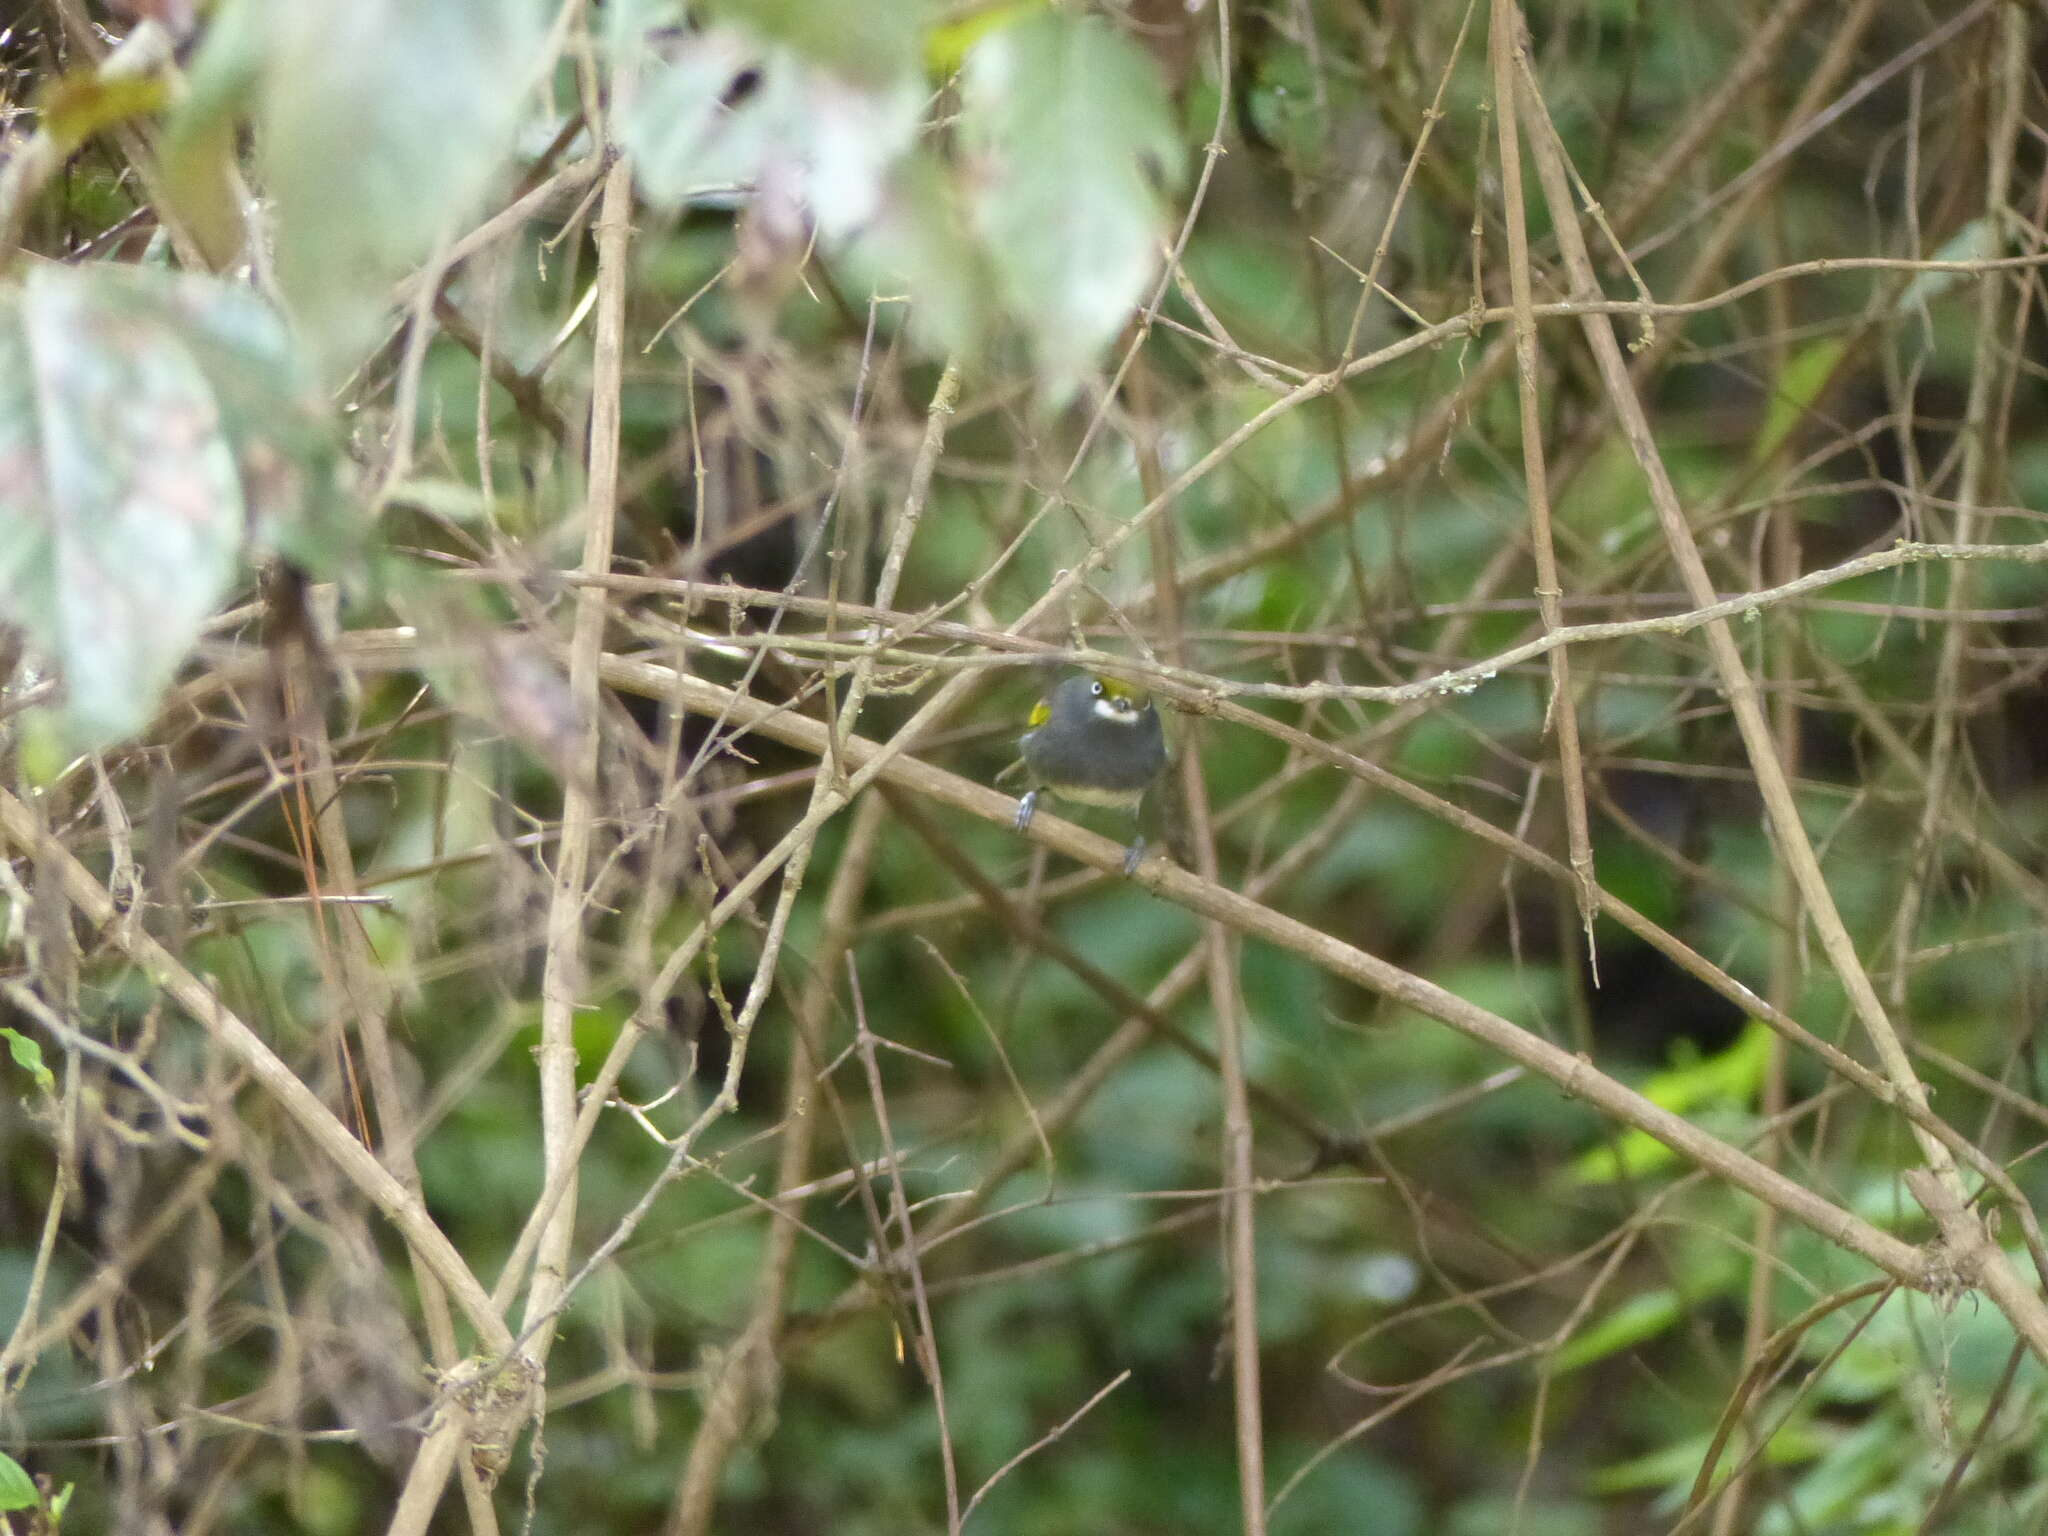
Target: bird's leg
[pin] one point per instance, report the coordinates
(1025, 808)
(1135, 854)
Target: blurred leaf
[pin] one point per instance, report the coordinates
(1975, 241)
(145, 418)
(1729, 1077)
(28, 1055)
(1873, 1358)
(1853, 1467)
(854, 137)
(503, 678)
(17, 1488)
(77, 105)
(1639, 1318)
(272, 411)
(725, 112)
(680, 129)
(918, 246)
(879, 53)
(947, 46)
(1627, 1155)
(120, 509)
(1333, 1498)
(40, 747)
(380, 124)
(767, 109)
(1806, 374)
(627, 23)
(1069, 117)
(326, 1501)
(198, 149)
(1488, 1514)
(1676, 1464)
(454, 500)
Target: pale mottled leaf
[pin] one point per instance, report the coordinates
(853, 137)
(141, 416)
(917, 246)
(273, 413)
(380, 126)
(683, 134)
(725, 110)
(1071, 122)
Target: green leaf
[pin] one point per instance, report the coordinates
(380, 126)
(1727, 1078)
(77, 105)
(40, 746)
(1639, 1318)
(1631, 1154)
(17, 1489)
(1069, 117)
(947, 45)
(145, 418)
(198, 148)
(1676, 1465)
(1806, 374)
(28, 1055)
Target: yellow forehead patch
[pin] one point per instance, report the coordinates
(1112, 689)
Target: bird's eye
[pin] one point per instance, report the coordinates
(1096, 688)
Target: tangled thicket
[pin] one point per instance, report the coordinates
(549, 999)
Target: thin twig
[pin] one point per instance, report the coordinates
(1058, 1431)
(1562, 714)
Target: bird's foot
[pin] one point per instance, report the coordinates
(1134, 856)
(1025, 808)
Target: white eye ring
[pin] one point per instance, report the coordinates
(1096, 688)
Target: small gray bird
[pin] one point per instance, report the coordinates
(1096, 742)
